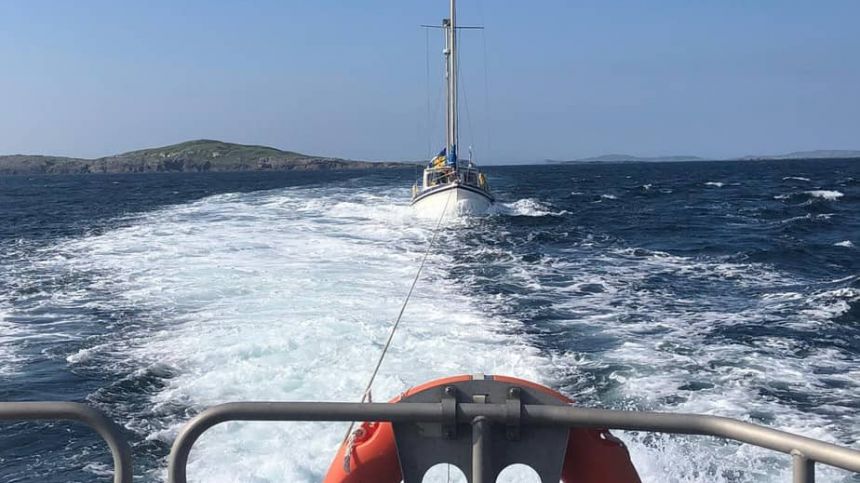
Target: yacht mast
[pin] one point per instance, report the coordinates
(450, 25)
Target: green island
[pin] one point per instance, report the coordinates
(192, 156)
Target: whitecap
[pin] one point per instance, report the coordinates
(830, 304)
(83, 355)
(716, 184)
(830, 195)
(844, 243)
(796, 178)
(809, 217)
(526, 207)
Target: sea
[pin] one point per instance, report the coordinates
(724, 288)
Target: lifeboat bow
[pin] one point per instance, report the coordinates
(485, 444)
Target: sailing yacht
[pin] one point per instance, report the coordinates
(451, 185)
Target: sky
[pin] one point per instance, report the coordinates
(546, 79)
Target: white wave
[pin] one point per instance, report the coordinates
(796, 178)
(808, 217)
(844, 243)
(825, 194)
(100, 469)
(85, 355)
(526, 207)
(716, 184)
(647, 187)
(608, 197)
(10, 335)
(288, 295)
(668, 355)
(831, 304)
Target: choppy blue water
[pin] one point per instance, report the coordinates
(728, 288)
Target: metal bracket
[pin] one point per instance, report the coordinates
(513, 414)
(449, 412)
(480, 446)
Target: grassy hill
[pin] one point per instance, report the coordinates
(191, 156)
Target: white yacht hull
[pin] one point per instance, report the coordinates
(454, 199)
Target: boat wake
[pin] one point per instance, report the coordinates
(283, 295)
(289, 294)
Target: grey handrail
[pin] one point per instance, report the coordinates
(804, 451)
(702, 425)
(69, 411)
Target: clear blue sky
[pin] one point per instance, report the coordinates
(566, 78)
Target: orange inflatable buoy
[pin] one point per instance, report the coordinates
(592, 455)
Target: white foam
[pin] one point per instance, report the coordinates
(10, 335)
(608, 197)
(526, 207)
(808, 217)
(796, 178)
(844, 243)
(288, 295)
(664, 343)
(716, 184)
(831, 304)
(85, 355)
(825, 194)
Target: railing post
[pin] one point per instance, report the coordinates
(69, 411)
(803, 468)
(481, 450)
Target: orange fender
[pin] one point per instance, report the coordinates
(592, 456)
(373, 459)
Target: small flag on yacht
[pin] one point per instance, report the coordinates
(439, 160)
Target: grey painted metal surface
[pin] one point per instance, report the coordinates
(803, 468)
(568, 416)
(728, 428)
(484, 449)
(69, 411)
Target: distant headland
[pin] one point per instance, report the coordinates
(191, 156)
(626, 158)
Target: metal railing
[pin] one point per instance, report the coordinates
(466, 175)
(805, 452)
(69, 411)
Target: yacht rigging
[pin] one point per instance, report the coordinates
(449, 184)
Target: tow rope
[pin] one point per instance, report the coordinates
(349, 438)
